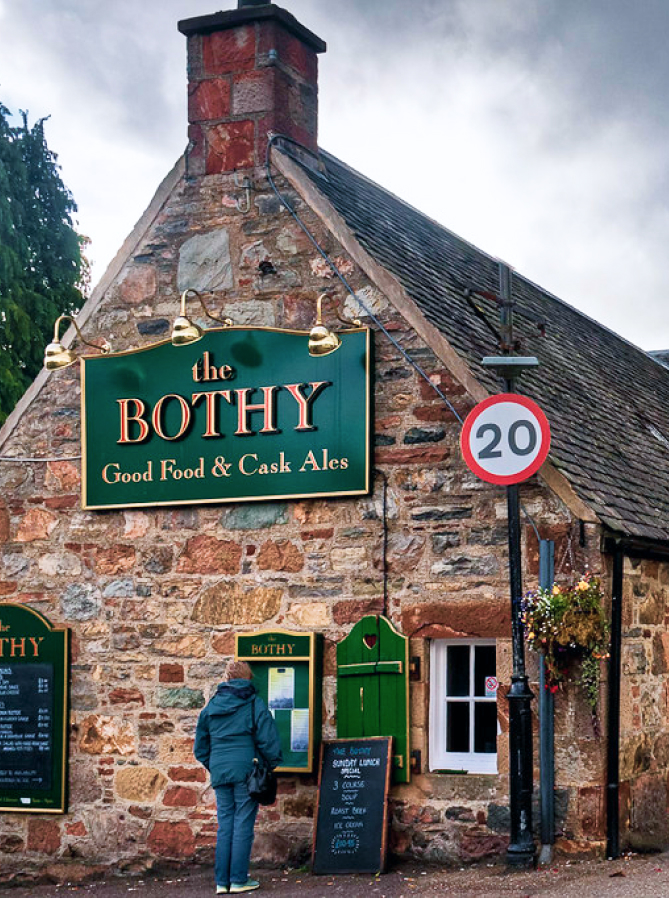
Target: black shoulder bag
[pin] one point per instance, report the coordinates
(261, 781)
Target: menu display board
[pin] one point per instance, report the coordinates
(351, 830)
(34, 679)
(286, 669)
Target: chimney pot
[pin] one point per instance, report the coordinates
(251, 71)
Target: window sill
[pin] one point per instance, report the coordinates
(459, 787)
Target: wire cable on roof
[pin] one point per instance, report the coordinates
(284, 202)
(530, 519)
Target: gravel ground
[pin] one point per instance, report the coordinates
(630, 877)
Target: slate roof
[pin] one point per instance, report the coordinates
(661, 356)
(607, 401)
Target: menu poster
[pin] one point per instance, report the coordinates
(287, 673)
(34, 701)
(351, 829)
(299, 729)
(26, 721)
(281, 688)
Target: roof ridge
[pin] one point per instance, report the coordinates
(309, 186)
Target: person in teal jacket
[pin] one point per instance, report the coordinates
(234, 728)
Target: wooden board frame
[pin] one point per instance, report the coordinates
(385, 827)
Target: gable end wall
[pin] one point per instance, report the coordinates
(155, 596)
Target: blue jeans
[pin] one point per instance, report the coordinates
(236, 819)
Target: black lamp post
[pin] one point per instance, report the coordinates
(521, 850)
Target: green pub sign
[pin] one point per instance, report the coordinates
(287, 672)
(34, 690)
(243, 414)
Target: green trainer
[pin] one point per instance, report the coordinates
(247, 886)
(222, 890)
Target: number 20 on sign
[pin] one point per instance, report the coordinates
(505, 439)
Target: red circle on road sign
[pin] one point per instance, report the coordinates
(489, 439)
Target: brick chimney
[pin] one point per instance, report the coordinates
(250, 70)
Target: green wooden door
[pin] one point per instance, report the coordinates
(373, 687)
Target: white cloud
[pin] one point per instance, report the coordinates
(535, 131)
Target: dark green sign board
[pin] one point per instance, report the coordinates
(287, 674)
(34, 690)
(243, 414)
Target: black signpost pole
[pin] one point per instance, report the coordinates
(507, 461)
(521, 850)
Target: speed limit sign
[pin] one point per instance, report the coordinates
(505, 439)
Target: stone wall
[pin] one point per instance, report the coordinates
(644, 708)
(155, 596)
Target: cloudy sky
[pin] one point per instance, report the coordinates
(536, 129)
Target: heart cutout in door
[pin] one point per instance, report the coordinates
(370, 640)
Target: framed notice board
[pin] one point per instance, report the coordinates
(287, 672)
(34, 699)
(351, 829)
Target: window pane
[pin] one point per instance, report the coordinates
(485, 727)
(457, 726)
(484, 666)
(457, 670)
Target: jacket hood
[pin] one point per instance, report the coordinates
(230, 696)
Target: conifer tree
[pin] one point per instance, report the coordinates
(41, 263)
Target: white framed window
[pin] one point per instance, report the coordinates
(463, 705)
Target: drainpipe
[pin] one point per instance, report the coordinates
(546, 722)
(613, 723)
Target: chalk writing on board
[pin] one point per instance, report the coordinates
(351, 824)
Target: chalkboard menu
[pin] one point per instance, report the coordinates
(351, 834)
(33, 711)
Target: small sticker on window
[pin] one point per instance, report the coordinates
(491, 685)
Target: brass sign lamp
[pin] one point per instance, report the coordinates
(186, 331)
(55, 354)
(321, 340)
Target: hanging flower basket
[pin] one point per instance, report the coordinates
(566, 624)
